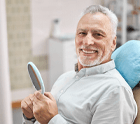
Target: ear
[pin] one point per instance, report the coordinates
(113, 46)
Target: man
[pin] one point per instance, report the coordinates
(95, 93)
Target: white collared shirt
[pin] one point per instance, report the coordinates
(96, 95)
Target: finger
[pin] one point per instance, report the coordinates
(38, 95)
(32, 98)
(25, 107)
(49, 95)
(36, 101)
(29, 102)
(25, 111)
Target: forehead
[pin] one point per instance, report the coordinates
(93, 21)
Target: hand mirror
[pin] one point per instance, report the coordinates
(36, 77)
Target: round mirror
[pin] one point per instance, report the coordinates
(36, 77)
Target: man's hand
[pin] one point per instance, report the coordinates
(44, 107)
(27, 106)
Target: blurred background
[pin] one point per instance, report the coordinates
(43, 31)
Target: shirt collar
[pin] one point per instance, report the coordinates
(100, 69)
(76, 67)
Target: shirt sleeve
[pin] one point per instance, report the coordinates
(58, 119)
(119, 107)
(29, 122)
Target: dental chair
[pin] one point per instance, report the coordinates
(127, 61)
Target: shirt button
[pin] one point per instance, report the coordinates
(77, 77)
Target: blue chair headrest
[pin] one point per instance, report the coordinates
(127, 61)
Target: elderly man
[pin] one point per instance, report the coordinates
(95, 93)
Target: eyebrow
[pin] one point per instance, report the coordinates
(81, 30)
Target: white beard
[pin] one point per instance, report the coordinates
(87, 62)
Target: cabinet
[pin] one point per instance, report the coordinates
(62, 57)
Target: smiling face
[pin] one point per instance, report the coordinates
(94, 40)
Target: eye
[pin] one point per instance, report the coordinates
(82, 33)
(98, 34)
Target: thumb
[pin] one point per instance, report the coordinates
(49, 95)
(38, 95)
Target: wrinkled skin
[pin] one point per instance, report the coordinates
(94, 32)
(42, 107)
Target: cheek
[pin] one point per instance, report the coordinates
(101, 46)
(107, 48)
(76, 47)
(78, 43)
(78, 40)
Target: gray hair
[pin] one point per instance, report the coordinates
(98, 8)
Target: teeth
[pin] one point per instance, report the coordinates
(89, 52)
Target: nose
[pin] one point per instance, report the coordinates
(88, 40)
